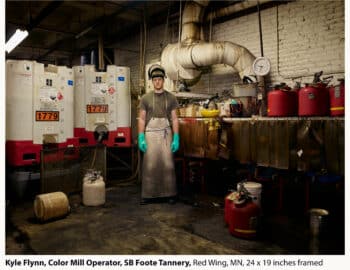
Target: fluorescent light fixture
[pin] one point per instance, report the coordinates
(16, 39)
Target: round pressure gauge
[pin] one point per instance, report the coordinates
(261, 66)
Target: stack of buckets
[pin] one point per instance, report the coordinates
(242, 209)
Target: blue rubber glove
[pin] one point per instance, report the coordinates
(142, 142)
(176, 143)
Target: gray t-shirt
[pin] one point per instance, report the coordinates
(158, 105)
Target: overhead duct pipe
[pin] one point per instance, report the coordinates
(186, 59)
(191, 28)
(237, 7)
(183, 61)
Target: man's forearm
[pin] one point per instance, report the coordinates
(141, 125)
(142, 121)
(175, 121)
(176, 125)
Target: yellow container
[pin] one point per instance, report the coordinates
(209, 113)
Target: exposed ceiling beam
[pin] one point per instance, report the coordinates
(54, 48)
(97, 22)
(101, 19)
(42, 29)
(46, 11)
(117, 3)
(156, 19)
(40, 48)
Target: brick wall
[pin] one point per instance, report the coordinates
(300, 38)
(311, 35)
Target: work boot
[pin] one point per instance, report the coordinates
(171, 200)
(144, 201)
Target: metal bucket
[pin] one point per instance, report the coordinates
(318, 221)
(254, 189)
(245, 94)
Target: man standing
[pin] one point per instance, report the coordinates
(157, 122)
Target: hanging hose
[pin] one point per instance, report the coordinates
(133, 178)
(100, 134)
(118, 159)
(93, 159)
(179, 40)
(166, 29)
(140, 63)
(260, 31)
(143, 40)
(262, 103)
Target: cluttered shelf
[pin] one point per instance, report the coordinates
(263, 118)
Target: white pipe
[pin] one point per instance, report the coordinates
(188, 58)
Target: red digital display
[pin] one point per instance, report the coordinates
(47, 116)
(99, 108)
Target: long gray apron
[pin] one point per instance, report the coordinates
(158, 172)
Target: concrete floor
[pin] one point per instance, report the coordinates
(122, 226)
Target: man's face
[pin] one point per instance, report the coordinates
(158, 83)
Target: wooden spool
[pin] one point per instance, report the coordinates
(51, 205)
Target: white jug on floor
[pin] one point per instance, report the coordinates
(94, 190)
